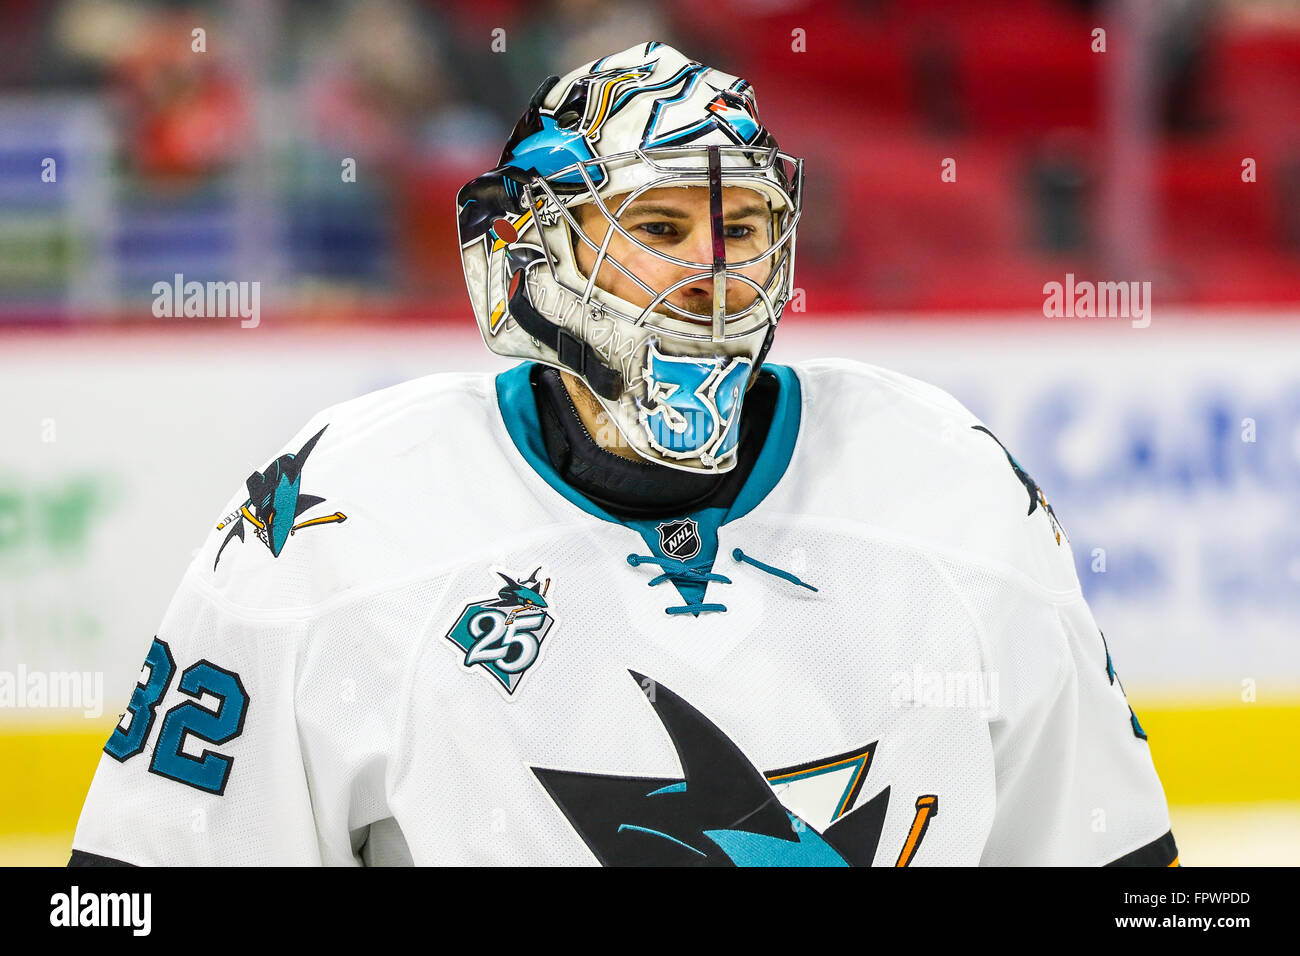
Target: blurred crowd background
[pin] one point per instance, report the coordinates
(1165, 149)
(228, 162)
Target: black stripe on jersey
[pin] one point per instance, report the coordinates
(1159, 852)
(82, 858)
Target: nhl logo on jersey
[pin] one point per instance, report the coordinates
(503, 636)
(679, 539)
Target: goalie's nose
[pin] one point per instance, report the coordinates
(696, 296)
(706, 249)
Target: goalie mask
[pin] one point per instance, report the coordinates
(671, 379)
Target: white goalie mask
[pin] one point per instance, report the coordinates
(673, 381)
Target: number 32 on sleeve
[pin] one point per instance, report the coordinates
(208, 772)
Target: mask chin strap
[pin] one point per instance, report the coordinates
(572, 352)
(719, 243)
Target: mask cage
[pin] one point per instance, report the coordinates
(775, 175)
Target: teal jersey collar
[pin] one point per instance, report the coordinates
(519, 412)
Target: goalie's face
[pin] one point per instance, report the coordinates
(638, 234)
(674, 220)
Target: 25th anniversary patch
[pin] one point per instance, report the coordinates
(503, 635)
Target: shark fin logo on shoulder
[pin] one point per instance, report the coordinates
(275, 500)
(503, 636)
(1036, 496)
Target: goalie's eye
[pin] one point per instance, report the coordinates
(660, 230)
(665, 230)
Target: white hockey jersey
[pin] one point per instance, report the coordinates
(408, 641)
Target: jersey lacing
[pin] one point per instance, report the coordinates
(680, 573)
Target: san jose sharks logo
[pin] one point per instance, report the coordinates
(723, 811)
(275, 500)
(1036, 496)
(504, 635)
